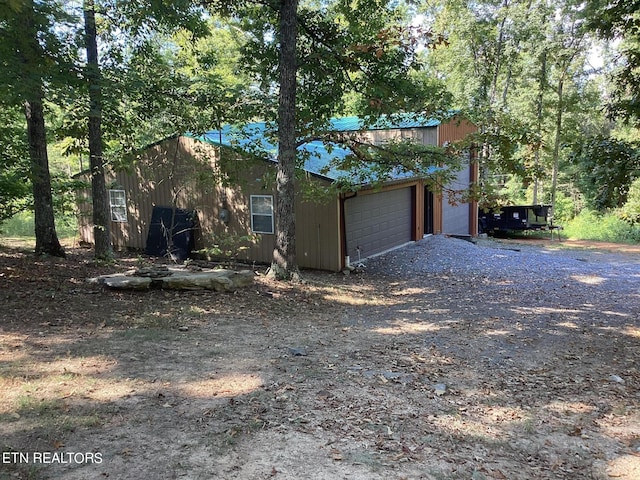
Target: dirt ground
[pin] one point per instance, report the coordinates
(360, 376)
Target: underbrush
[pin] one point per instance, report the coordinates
(22, 225)
(608, 227)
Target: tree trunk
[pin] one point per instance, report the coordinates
(45, 230)
(499, 49)
(284, 265)
(542, 83)
(101, 213)
(556, 146)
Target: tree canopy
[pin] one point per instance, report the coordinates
(619, 20)
(523, 71)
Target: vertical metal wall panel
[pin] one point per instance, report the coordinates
(455, 218)
(454, 130)
(318, 238)
(458, 219)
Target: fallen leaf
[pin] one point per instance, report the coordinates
(497, 474)
(336, 454)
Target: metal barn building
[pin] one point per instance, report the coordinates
(227, 187)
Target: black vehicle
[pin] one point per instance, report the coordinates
(514, 218)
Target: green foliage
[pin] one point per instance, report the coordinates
(368, 55)
(19, 225)
(227, 246)
(564, 209)
(590, 225)
(22, 225)
(504, 63)
(365, 60)
(15, 187)
(15, 178)
(604, 170)
(395, 158)
(167, 69)
(514, 191)
(28, 64)
(147, 95)
(618, 19)
(630, 211)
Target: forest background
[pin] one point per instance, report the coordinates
(552, 86)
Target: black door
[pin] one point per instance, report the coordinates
(428, 211)
(171, 233)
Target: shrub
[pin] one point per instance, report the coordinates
(630, 211)
(563, 210)
(589, 225)
(226, 246)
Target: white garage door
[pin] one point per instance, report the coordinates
(378, 222)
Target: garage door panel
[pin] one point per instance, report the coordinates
(378, 222)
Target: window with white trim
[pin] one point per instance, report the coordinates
(118, 206)
(262, 214)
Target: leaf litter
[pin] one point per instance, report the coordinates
(442, 360)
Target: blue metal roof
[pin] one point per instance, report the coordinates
(254, 138)
(354, 124)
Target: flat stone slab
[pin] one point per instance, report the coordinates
(179, 279)
(218, 280)
(121, 282)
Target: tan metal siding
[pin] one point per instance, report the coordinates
(317, 229)
(425, 135)
(318, 239)
(166, 175)
(189, 173)
(458, 219)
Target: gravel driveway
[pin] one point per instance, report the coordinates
(544, 296)
(524, 265)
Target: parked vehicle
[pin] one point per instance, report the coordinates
(514, 218)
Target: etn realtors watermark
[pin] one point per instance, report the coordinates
(48, 458)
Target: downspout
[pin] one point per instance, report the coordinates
(345, 261)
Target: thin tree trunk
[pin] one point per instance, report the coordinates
(499, 50)
(101, 214)
(556, 146)
(46, 237)
(45, 230)
(284, 265)
(542, 83)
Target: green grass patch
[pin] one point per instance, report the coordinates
(22, 225)
(42, 407)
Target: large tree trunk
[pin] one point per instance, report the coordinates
(284, 265)
(46, 238)
(101, 214)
